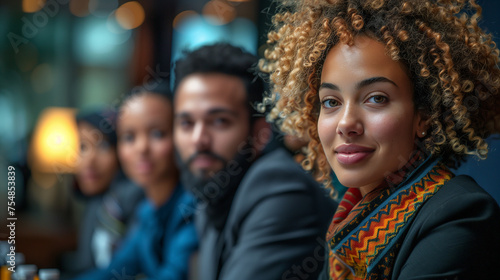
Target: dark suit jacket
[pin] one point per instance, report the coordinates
(275, 229)
(455, 236)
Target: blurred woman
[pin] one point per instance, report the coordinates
(110, 199)
(161, 245)
(391, 94)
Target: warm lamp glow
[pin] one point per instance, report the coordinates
(54, 147)
(130, 15)
(32, 6)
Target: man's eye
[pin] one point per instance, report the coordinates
(185, 123)
(221, 121)
(330, 103)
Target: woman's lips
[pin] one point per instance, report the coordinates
(144, 167)
(90, 176)
(352, 154)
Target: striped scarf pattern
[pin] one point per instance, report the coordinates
(366, 232)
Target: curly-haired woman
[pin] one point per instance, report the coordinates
(391, 94)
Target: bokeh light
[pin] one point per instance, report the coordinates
(219, 12)
(183, 16)
(244, 33)
(130, 15)
(195, 32)
(33, 6)
(96, 44)
(113, 25)
(79, 8)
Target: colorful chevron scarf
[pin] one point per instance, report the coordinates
(366, 232)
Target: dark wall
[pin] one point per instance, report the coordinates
(486, 172)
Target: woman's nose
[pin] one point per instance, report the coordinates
(142, 144)
(350, 123)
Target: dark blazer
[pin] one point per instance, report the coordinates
(275, 229)
(455, 236)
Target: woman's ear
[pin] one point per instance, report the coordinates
(423, 124)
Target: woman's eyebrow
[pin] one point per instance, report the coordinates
(374, 80)
(329, 86)
(361, 84)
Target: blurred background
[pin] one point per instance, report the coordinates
(60, 56)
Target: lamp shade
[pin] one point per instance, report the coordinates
(54, 146)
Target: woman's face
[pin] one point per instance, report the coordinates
(145, 146)
(367, 123)
(97, 162)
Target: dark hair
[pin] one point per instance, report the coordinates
(103, 120)
(161, 88)
(225, 59)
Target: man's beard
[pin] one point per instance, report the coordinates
(218, 188)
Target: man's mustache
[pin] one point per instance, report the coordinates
(204, 153)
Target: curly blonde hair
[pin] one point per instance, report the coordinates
(452, 64)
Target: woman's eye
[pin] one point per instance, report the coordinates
(330, 103)
(127, 137)
(158, 134)
(377, 99)
(83, 147)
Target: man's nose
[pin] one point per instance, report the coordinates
(201, 137)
